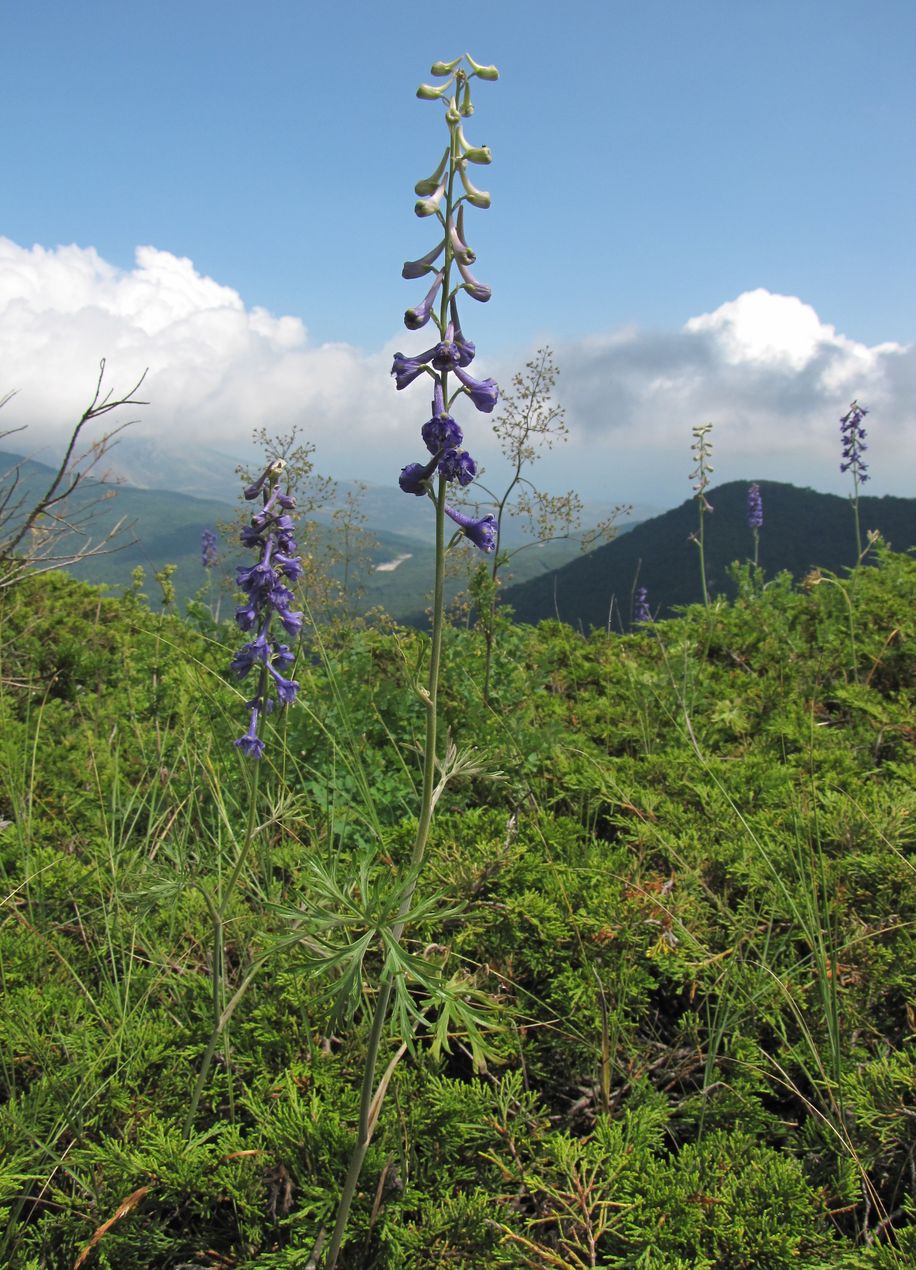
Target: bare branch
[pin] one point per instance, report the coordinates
(36, 538)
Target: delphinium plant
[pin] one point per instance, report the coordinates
(265, 611)
(755, 517)
(641, 611)
(209, 559)
(703, 469)
(443, 368)
(853, 436)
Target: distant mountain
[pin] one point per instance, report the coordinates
(165, 527)
(802, 529)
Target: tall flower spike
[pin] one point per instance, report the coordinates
(853, 437)
(268, 598)
(441, 434)
(754, 506)
(208, 549)
(641, 611)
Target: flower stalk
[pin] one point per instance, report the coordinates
(450, 463)
(701, 449)
(853, 437)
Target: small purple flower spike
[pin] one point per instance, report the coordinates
(853, 436)
(482, 533)
(754, 507)
(209, 556)
(268, 598)
(641, 611)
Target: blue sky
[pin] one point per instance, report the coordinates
(652, 163)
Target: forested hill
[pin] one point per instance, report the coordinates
(802, 530)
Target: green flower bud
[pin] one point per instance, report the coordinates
(480, 198)
(426, 92)
(443, 68)
(452, 115)
(485, 72)
(476, 154)
(429, 186)
(467, 106)
(429, 206)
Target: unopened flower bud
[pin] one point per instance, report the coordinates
(485, 72)
(460, 249)
(429, 206)
(474, 154)
(467, 106)
(443, 68)
(480, 198)
(416, 318)
(424, 188)
(426, 92)
(417, 268)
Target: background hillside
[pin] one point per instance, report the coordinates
(164, 526)
(802, 529)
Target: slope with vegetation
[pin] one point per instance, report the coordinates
(685, 866)
(802, 530)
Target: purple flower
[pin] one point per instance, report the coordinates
(406, 369)
(447, 356)
(476, 290)
(641, 611)
(415, 318)
(268, 600)
(457, 465)
(286, 688)
(754, 507)
(483, 392)
(482, 533)
(853, 436)
(414, 477)
(258, 650)
(291, 622)
(208, 553)
(417, 268)
(441, 432)
(466, 348)
(251, 744)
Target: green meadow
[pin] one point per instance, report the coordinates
(657, 1005)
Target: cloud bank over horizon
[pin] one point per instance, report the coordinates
(763, 368)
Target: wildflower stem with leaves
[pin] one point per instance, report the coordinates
(853, 436)
(441, 197)
(701, 449)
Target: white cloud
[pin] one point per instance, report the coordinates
(216, 368)
(764, 368)
(766, 371)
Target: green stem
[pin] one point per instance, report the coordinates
(386, 981)
(855, 515)
(702, 557)
(218, 914)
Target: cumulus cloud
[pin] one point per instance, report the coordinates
(765, 369)
(216, 368)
